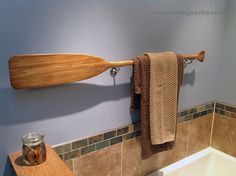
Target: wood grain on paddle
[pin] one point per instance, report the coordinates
(33, 71)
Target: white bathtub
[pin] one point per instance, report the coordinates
(208, 162)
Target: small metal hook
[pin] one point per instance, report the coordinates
(186, 62)
(114, 71)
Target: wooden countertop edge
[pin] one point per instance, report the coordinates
(51, 167)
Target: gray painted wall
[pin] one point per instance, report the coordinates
(115, 30)
(226, 90)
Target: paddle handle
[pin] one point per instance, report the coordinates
(121, 63)
(199, 56)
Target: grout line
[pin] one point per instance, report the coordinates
(73, 165)
(121, 158)
(186, 153)
(212, 123)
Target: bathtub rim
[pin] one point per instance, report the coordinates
(190, 159)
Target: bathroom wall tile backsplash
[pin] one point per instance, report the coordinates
(132, 164)
(196, 112)
(87, 145)
(179, 150)
(225, 110)
(224, 129)
(81, 151)
(100, 163)
(199, 139)
(224, 134)
(97, 142)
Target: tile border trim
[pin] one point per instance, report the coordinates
(225, 110)
(84, 146)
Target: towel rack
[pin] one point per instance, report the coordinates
(43, 70)
(200, 57)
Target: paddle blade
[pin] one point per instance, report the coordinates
(33, 71)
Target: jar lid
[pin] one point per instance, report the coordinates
(32, 138)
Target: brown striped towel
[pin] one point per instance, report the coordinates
(140, 100)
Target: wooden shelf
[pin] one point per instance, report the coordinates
(53, 166)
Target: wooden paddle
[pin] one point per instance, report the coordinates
(42, 70)
(33, 71)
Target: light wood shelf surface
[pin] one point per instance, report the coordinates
(53, 166)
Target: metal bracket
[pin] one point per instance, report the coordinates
(114, 71)
(186, 62)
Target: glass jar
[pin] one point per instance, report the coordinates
(33, 149)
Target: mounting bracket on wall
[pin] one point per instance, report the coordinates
(113, 72)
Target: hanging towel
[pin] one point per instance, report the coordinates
(180, 73)
(163, 96)
(140, 100)
(140, 85)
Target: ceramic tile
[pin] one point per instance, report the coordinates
(109, 135)
(199, 134)
(71, 154)
(179, 149)
(129, 136)
(95, 139)
(102, 144)
(220, 106)
(184, 113)
(88, 149)
(105, 162)
(132, 164)
(79, 144)
(63, 148)
(224, 135)
(122, 131)
(116, 140)
(233, 115)
(231, 109)
(69, 164)
(192, 111)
